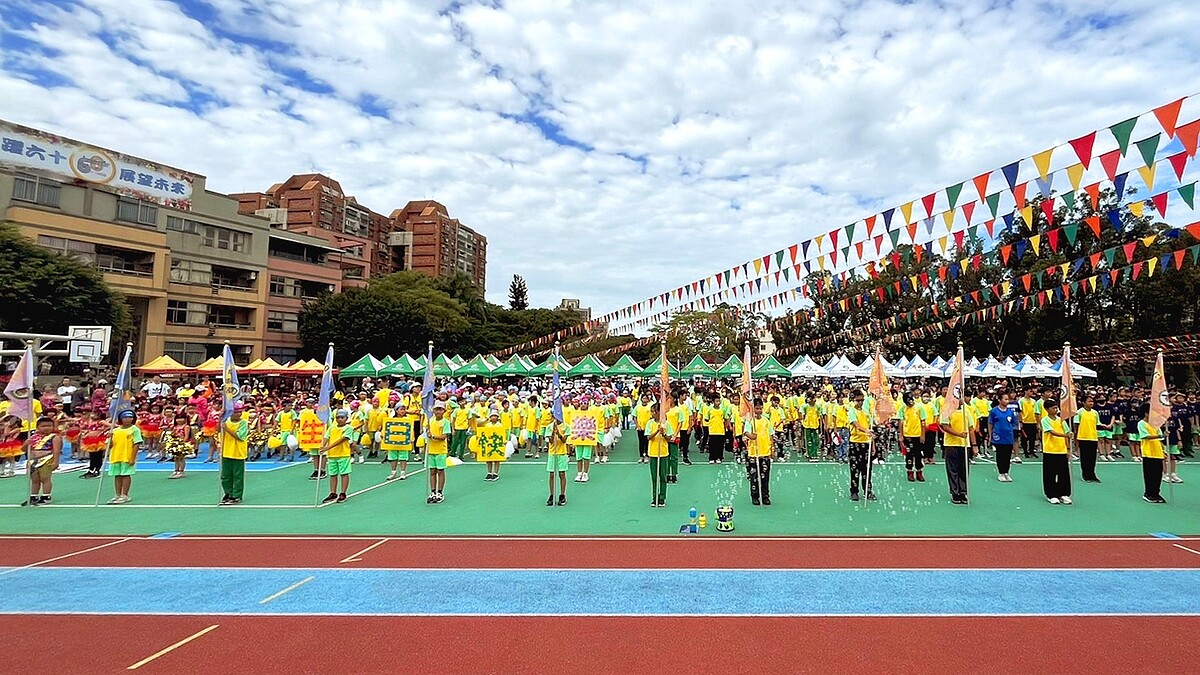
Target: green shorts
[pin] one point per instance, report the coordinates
(584, 451)
(313, 452)
(556, 463)
(435, 461)
(121, 469)
(1173, 449)
(398, 455)
(338, 466)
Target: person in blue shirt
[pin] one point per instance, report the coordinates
(1003, 421)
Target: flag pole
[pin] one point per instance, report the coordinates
(114, 410)
(27, 365)
(323, 399)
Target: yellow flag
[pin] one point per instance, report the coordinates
(1027, 215)
(1005, 287)
(1042, 162)
(948, 216)
(1035, 242)
(1147, 173)
(1137, 208)
(1150, 265)
(757, 266)
(1148, 241)
(1075, 175)
(906, 211)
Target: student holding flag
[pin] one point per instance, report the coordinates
(1151, 435)
(757, 432)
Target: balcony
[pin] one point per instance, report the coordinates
(233, 279)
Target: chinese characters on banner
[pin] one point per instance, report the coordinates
(396, 435)
(492, 439)
(26, 149)
(311, 435)
(584, 429)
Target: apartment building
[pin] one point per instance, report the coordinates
(435, 244)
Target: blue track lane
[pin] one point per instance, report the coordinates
(606, 592)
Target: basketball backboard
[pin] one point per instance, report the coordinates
(101, 334)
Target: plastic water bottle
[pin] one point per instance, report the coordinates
(692, 515)
(703, 521)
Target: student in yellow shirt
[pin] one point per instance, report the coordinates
(860, 448)
(912, 431)
(1152, 461)
(1056, 468)
(462, 420)
(1087, 423)
(437, 438)
(397, 436)
(641, 416)
(956, 438)
(715, 423)
(493, 437)
(556, 459)
(124, 443)
(758, 436)
(235, 433)
(532, 430)
(338, 446)
(1027, 409)
(658, 441)
(810, 420)
(680, 420)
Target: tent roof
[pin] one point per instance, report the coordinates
(404, 365)
(770, 367)
(476, 367)
(587, 366)
(655, 368)
(731, 368)
(513, 366)
(547, 367)
(367, 366)
(698, 366)
(163, 364)
(805, 367)
(625, 366)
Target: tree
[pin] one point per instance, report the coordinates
(714, 335)
(518, 293)
(44, 292)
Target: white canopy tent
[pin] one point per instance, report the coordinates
(918, 368)
(805, 367)
(990, 367)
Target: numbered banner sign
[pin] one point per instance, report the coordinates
(396, 435)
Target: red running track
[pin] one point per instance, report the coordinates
(599, 553)
(68, 644)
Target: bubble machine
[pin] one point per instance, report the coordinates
(724, 518)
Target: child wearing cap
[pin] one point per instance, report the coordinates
(437, 438)
(556, 459)
(235, 434)
(124, 443)
(586, 427)
(396, 434)
(338, 446)
(492, 437)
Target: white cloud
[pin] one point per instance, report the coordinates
(798, 113)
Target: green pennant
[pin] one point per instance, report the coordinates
(895, 235)
(1195, 251)
(1071, 231)
(1069, 199)
(726, 278)
(1188, 193)
(785, 274)
(1074, 287)
(1040, 276)
(1149, 147)
(1109, 256)
(907, 255)
(986, 293)
(952, 193)
(850, 233)
(779, 258)
(973, 232)
(846, 253)
(993, 202)
(1122, 131)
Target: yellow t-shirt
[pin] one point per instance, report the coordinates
(383, 398)
(1152, 449)
(558, 446)
(233, 439)
(1053, 445)
(1087, 419)
(812, 418)
(462, 419)
(287, 421)
(125, 443)
(1028, 410)
(761, 427)
(338, 439)
(859, 418)
(642, 416)
(437, 446)
(913, 422)
(714, 417)
(958, 424)
(658, 446)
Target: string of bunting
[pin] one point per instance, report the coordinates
(1130, 348)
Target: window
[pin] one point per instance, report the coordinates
(191, 272)
(177, 224)
(225, 239)
(183, 313)
(187, 353)
(124, 261)
(133, 211)
(283, 354)
(27, 188)
(278, 285)
(283, 322)
(233, 278)
(82, 251)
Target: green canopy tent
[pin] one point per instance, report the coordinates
(513, 366)
(770, 368)
(405, 365)
(624, 366)
(387, 361)
(588, 366)
(458, 361)
(698, 366)
(547, 366)
(442, 367)
(367, 366)
(655, 369)
(492, 361)
(476, 367)
(731, 368)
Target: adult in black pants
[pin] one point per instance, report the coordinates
(685, 440)
(1029, 433)
(1087, 438)
(1152, 463)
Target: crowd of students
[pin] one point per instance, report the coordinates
(783, 420)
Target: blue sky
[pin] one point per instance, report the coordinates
(610, 151)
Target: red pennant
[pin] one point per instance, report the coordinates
(1129, 248)
(924, 278)
(1083, 148)
(1093, 191)
(792, 252)
(912, 233)
(976, 260)
(766, 261)
(870, 226)
(1066, 291)
(896, 285)
(1188, 135)
(1094, 260)
(1018, 193)
(1168, 116)
(1094, 223)
(1005, 252)
(990, 226)
(833, 237)
(1041, 298)
(975, 296)
(1109, 161)
(1052, 237)
(895, 260)
(1137, 269)
(981, 182)
(1048, 210)
(1112, 276)
(942, 273)
(1160, 203)
(1178, 162)
(858, 249)
(878, 243)
(958, 239)
(918, 252)
(833, 257)
(1027, 280)
(1179, 258)
(968, 211)
(928, 200)
(1194, 230)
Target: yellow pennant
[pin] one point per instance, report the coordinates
(948, 216)
(1035, 242)
(906, 211)
(757, 266)
(1062, 269)
(913, 281)
(1027, 215)
(821, 263)
(1075, 175)
(1042, 162)
(1150, 265)
(1148, 241)
(942, 244)
(1148, 175)
(1093, 279)
(1005, 287)
(820, 240)
(1137, 208)
(962, 265)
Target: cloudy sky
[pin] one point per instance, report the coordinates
(609, 150)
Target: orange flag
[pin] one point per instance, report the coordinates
(664, 384)
(746, 408)
(1066, 388)
(881, 391)
(955, 389)
(1160, 401)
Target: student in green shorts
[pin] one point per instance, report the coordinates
(124, 443)
(556, 460)
(437, 438)
(398, 437)
(338, 446)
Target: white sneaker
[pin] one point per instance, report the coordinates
(585, 479)
(1054, 500)
(1175, 478)
(403, 475)
(1066, 500)
(361, 459)
(392, 476)
(115, 500)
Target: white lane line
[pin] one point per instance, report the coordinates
(173, 647)
(64, 556)
(289, 589)
(1189, 550)
(356, 557)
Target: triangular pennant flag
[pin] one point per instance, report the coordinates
(906, 212)
(1010, 173)
(1178, 163)
(1149, 148)
(887, 219)
(1188, 134)
(948, 218)
(779, 258)
(952, 194)
(1083, 149)
(1005, 251)
(1110, 256)
(1188, 194)
(1150, 265)
(1109, 161)
(1075, 175)
(1094, 260)
(1042, 162)
(1052, 239)
(981, 182)
(792, 252)
(1071, 231)
(870, 226)
(927, 201)
(1114, 217)
(1018, 194)
(833, 240)
(757, 266)
(1048, 210)
(990, 225)
(1147, 173)
(1129, 249)
(912, 232)
(1094, 223)
(1160, 203)
(1035, 243)
(1044, 185)
(1168, 116)
(858, 249)
(1093, 191)
(1179, 259)
(1027, 216)
(968, 210)
(1068, 198)
(895, 237)
(1137, 208)
(1121, 131)
(993, 202)
(1008, 222)
(1119, 185)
